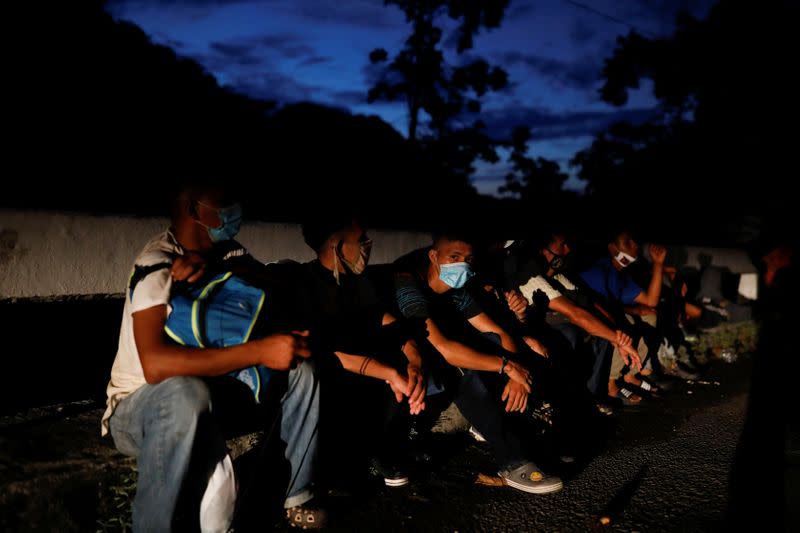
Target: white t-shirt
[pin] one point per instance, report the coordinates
(565, 282)
(152, 290)
(538, 283)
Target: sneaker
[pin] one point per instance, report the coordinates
(475, 435)
(528, 478)
(393, 476)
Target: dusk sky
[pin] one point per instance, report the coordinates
(317, 50)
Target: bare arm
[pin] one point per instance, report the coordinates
(463, 356)
(416, 378)
(653, 294)
(484, 324)
(161, 360)
(583, 319)
(367, 366)
(517, 304)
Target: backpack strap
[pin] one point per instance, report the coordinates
(140, 272)
(198, 307)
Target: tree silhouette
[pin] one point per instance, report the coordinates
(727, 94)
(534, 181)
(94, 104)
(445, 94)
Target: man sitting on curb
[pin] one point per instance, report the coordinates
(539, 270)
(160, 394)
(624, 298)
(429, 285)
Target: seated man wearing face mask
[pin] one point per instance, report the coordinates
(371, 372)
(540, 269)
(161, 393)
(624, 298)
(486, 379)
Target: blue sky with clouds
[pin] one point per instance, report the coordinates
(298, 50)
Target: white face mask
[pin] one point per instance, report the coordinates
(624, 259)
(357, 267)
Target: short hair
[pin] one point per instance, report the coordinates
(192, 188)
(616, 230)
(317, 230)
(451, 234)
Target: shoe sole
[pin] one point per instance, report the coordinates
(396, 482)
(477, 436)
(533, 490)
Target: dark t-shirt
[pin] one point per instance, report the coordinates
(415, 299)
(343, 317)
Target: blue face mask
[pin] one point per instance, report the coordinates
(230, 222)
(455, 275)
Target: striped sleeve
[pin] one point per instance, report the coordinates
(410, 299)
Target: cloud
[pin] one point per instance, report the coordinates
(581, 31)
(581, 74)
(288, 45)
(349, 98)
(654, 18)
(239, 54)
(362, 13)
(315, 60)
(180, 3)
(520, 9)
(272, 85)
(175, 44)
(256, 51)
(546, 125)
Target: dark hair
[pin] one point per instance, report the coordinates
(616, 230)
(451, 234)
(193, 188)
(319, 229)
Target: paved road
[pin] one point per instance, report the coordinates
(663, 467)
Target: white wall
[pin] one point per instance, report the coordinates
(735, 259)
(58, 254)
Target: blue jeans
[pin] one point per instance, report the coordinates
(170, 429)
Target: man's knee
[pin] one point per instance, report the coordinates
(473, 386)
(651, 319)
(186, 397)
(492, 337)
(304, 373)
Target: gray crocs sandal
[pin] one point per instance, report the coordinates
(529, 478)
(304, 517)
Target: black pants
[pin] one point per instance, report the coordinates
(360, 419)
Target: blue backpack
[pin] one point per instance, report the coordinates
(216, 314)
